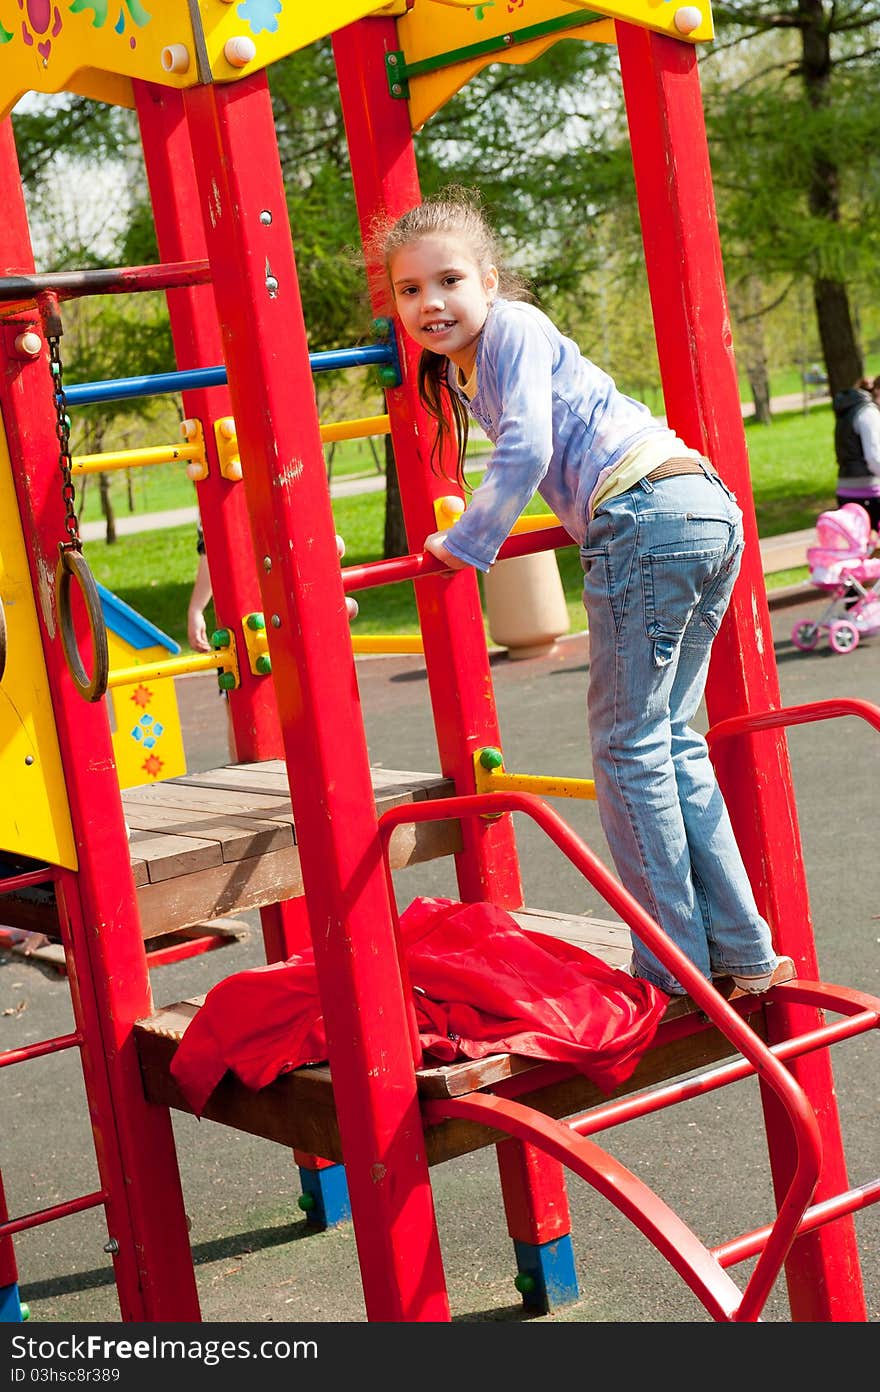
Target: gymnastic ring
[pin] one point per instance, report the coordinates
(72, 565)
(2, 640)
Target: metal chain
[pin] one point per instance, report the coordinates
(62, 430)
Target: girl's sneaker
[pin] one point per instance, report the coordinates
(757, 985)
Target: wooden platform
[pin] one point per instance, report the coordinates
(206, 845)
(298, 1109)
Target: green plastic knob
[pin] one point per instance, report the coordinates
(524, 1283)
(220, 638)
(255, 622)
(491, 759)
(226, 681)
(382, 327)
(25, 1312)
(388, 377)
(263, 665)
(306, 1202)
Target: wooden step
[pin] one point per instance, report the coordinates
(207, 845)
(298, 1109)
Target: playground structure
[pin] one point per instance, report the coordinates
(196, 78)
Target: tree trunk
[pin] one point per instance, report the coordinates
(107, 507)
(745, 300)
(395, 532)
(843, 358)
(759, 385)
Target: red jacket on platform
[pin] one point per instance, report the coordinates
(481, 985)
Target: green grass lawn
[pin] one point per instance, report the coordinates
(793, 478)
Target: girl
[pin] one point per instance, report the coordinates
(660, 541)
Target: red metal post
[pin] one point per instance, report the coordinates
(8, 1268)
(535, 1200)
(222, 503)
(273, 399)
(692, 324)
(386, 184)
(134, 1140)
(450, 614)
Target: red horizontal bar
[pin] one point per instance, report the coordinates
(741, 1248)
(424, 563)
(794, 715)
(48, 1215)
(45, 1046)
(118, 280)
(27, 880)
(627, 1109)
(191, 947)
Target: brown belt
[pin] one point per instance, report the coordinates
(671, 468)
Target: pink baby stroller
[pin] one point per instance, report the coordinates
(841, 565)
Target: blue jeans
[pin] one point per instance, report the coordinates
(660, 562)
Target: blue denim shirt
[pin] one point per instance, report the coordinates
(556, 420)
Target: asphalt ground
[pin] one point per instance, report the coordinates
(257, 1260)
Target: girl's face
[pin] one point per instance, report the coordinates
(442, 296)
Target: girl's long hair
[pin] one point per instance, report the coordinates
(453, 212)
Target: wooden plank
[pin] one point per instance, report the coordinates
(297, 1109)
(605, 938)
(234, 778)
(168, 856)
(217, 800)
(236, 886)
(237, 837)
(390, 786)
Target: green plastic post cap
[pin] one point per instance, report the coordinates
(220, 638)
(255, 622)
(388, 377)
(226, 681)
(306, 1202)
(263, 665)
(524, 1283)
(382, 327)
(491, 758)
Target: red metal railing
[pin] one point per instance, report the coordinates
(753, 722)
(644, 1208)
(414, 567)
(41, 1049)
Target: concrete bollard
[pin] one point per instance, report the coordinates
(525, 604)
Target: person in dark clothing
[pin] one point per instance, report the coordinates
(857, 447)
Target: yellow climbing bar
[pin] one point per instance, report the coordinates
(534, 522)
(221, 661)
(387, 643)
(136, 459)
(448, 509)
(490, 777)
(355, 429)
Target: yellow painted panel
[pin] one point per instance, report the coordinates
(429, 93)
(147, 739)
(68, 45)
(433, 27)
(437, 27)
(65, 45)
(34, 812)
(275, 27)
